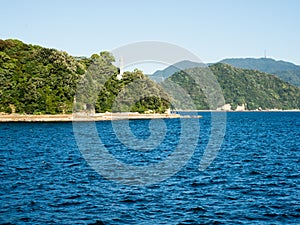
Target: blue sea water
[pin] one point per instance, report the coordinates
(253, 180)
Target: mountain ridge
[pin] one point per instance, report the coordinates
(160, 75)
(286, 71)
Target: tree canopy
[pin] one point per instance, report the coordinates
(37, 80)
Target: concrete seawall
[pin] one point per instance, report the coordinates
(82, 117)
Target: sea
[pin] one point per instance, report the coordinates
(147, 172)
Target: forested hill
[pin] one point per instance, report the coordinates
(37, 80)
(253, 88)
(286, 71)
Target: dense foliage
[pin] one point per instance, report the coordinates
(37, 80)
(242, 86)
(135, 92)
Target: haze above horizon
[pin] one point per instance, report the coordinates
(213, 30)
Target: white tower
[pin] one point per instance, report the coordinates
(265, 53)
(120, 75)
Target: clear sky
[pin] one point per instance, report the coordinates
(212, 29)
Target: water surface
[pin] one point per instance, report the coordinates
(254, 179)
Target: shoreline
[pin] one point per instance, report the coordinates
(112, 116)
(82, 117)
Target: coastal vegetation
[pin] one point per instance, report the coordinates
(37, 80)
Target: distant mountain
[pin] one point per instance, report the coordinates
(251, 88)
(160, 75)
(286, 71)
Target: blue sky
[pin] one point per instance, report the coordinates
(211, 29)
